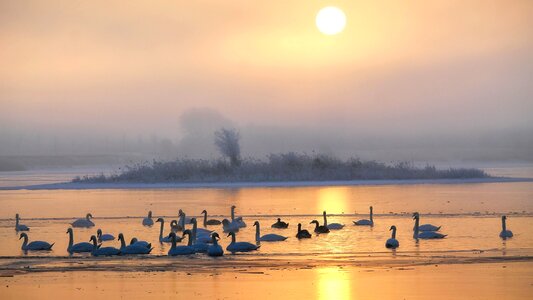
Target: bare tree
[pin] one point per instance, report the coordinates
(227, 142)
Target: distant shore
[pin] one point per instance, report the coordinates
(189, 185)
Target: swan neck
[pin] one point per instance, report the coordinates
(504, 226)
(161, 229)
(257, 232)
(17, 222)
(182, 221)
(394, 233)
(70, 239)
(371, 215)
(233, 238)
(205, 219)
(122, 243)
(189, 242)
(325, 220)
(173, 242)
(416, 228)
(194, 231)
(232, 214)
(25, 242)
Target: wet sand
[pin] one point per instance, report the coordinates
(510, 280)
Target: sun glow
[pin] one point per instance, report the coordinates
(330, 20)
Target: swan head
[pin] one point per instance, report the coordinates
(17, 216)
(99, 232)
(371, 208)
(160, 220)
(416, 216)
(89, 216)
(231, 233)
(256, 223)
(172, 234)
(299, 225)
(215, 236)
(324, 213)
(69, 230)
(314, 222)
(173, 223)
(233, 207)
(186, 232)
(120, 237)
(204, 211)
(504, 218)
(279, 220)
(23, 235)
(92, 239)
(133, 241)
(193, 220)
(392, 228)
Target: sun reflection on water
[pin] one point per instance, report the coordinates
(333, 283)
(333, 199)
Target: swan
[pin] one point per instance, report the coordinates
(166, 239)
(392, 243)
(237, 221)
(267, 237)
(240, 246)
(211, 221)
(215, 249)
(365, 222)
(505, 233)
(302, 234)
(79, 247)
(148, 220)
(132, 249)
(181, 250)
(319, 228)
(425, 227)
(332, 226)
(280, 224)
(86, 223)
(183, 219)
(104, 236)
(20, 227)
(175, 227)
(425, 234)
(200, 235)
(103, 251)
(229, 227)
(135, 241)
(35, 245)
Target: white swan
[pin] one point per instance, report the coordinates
(267, 237)
(35, 245)
(392, 243)
(135, 241)
(228, 226)
(238, 221)
(148, 220)
(302, 234)
(505, 233)
(425, 234)
(200, 235)
(102, 237)
(84, 223)
(183, 219)
(210, 221)
(132, 249)
(332, 226)
(235, 246)
(18, 226)
(166, 239)
(181, 250)
(103, 251)
(365, 222)
(215, 249)
(79, 247)
(425, 227)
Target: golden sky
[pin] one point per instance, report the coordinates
(98, 65)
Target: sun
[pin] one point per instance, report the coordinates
(330, 20)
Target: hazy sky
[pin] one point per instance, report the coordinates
(400, 68)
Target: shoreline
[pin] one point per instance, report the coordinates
(191, 185)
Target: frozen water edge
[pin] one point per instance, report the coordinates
(190, 185)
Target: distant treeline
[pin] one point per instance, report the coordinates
(277, 167)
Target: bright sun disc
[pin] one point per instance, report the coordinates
(330, 20)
